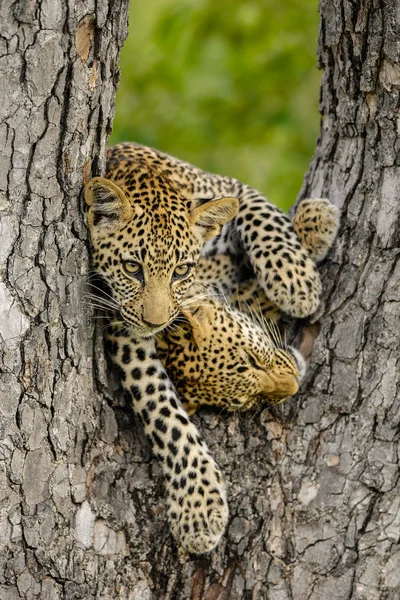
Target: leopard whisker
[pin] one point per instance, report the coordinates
(177, 320)
(93, 275)
(99, 297)
(260, 319)
(197, 305)
(121, 329)
(102, 302)
(103, 292)
(173, 327)
(224, 408)
(194, 301)
(195, 298)
(271, 327)
(267, 326)
(277, 332)
(99, 306)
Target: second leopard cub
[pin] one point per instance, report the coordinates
(218, 355)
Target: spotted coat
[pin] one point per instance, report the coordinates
(149, 219)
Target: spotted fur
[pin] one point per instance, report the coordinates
(218, 355)
(259, 231)
(149, 219)
(315, 224)
(197, 505)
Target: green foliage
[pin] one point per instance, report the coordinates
(228, 85)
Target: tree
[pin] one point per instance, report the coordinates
(58, 73)
(314, 487)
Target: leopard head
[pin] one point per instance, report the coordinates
(146, 240)
(219, 356)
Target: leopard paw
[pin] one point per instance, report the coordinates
(316, 224)
(198, 512)
(292, 283)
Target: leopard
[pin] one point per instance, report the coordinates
(219, 356)
(150, 218)
(228, 351)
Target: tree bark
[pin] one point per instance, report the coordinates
(314, 485)
(58, 74)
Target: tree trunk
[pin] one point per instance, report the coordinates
(313, 486)
(58, 74)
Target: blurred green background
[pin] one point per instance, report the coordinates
(228, 85)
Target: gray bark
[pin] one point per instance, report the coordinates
(314, 485)
(58, 75)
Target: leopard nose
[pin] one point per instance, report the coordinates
(154, 325)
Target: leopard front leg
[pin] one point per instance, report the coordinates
(197, 505)
(284, 269)
(315, 224)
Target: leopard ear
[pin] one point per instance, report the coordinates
(201, 320)
(106, 202)
(212, 215)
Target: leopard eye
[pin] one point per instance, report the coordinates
(182, 271)
(253, 361)
(132, 268)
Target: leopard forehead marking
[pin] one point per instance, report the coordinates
(160, 212)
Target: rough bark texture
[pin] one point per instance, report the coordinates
(58, 76)
(314, 486)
